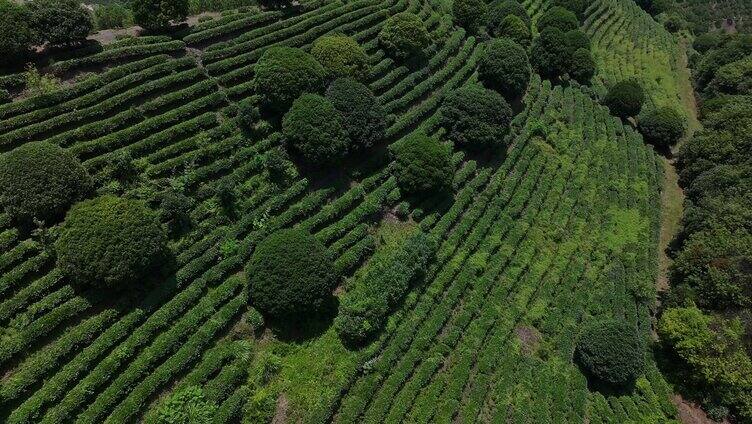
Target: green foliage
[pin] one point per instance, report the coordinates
(514, 28)
(404, 35)
(16, 34)
(110, 242)
(582, 68)
(470, 14)
(40, 180)
(713, 350)
(174, 210)
(365, 307)
(283, 74)
(625, 98)
(612, 352)
(114, 15)
(662, 127)
(38, 84)
(504, 67)
(290, 274)
(498, 10)
(187, 406)
(577, 7)
(549, 55)
(60, 21)
(704, 42)
(475, 117)
(157, 14)
(732, 49)
(363, 116)
(422, 164)
(341, 56)
(313, 129)
(733, 78)
(558, 17)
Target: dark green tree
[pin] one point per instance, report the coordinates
(313, 129)
(283, 74)
(404, 35)
(475, 117)
(550, 54)
(363, 117)
(40, 180)
(341, 56)
(504, 67)
(110, 242)
(291, 274)
(662, 127)
(158, 14)
(625, 98)
(577, 7)
(558, 17)
(498, 10)
(470, 14)
(16, 35)
(582, 67)
(422, 164)
(60, 21)
(514, 28)
(611, 351)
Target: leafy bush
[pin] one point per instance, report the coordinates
(514, 28)
(60, 21)
(283, 74)
(549, 54)
(341, 56)
(470, 14)
(187, 405)
(175, 209)
(500, 9)
(404, 35)
(363, 116)
(365, 307)
(625, 98)
(157, 14)
(575, 40)
(611, 351)
(662, 127)
(110, 242)
(733, 78)
(16, 35)
(504, 67)
(422, 164)
(704, 42)
(475, 117)
(290, 273)
(313, 129)
(41, 180)
(558, 17)
(582, 68)
(578, 7)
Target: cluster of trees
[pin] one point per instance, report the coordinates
(57, 22)
(707, 324)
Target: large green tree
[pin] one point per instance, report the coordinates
(158, 14)
(16, 34)
(504, 67)
(282, 74)
(422, 164)
(313, 129)
(60, 21)
(404, 35)
(475, 117)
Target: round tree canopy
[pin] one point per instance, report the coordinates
(16, 36)
(60, 21)
(625, 98)
(404, 35)
(290, 273)
(514, 28)
(558, 17)
(500, 9)
(363, 117)
(157, 14)
(578, 7)
(41, 180)
(284, 73)
(662, 127)
(110, 242)
(582, 67)
(611, 351)
(470, 14)
(341, 56)
(422, 164)
(313, 129)
(504, 67)
(475, 117)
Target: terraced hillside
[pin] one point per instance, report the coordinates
(536, 241)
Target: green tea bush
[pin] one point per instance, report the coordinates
(290, 274)
(313, 129)
(363, 116)
(505, 67)
(611, 351)
(422, 164)
(341, 56)
(41, 180)
(187, 405)
(404, 35)
(475, 117)
(283, 74)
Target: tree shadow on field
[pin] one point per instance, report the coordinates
(305, 327)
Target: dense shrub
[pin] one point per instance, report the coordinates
(290, 274)
(733, 78)
(16, 36)
(625, 98)
(611, 351)
(504, 67)
(313, 129)
(283, 74)
(422, 164)
(404, 35)
(475, 117)
(41, 180)
(704, 42)
(110, 242)
(470, 14)
(341, 56)
(577, 7)
(558, 17)
(158, 14)
(175, 209)
(575, 40)
(363, 117)
(114, 15)
(662, 127)
(514, 28)
(187, 405)
(549, 54)
(582, 67)
(500, 9)
(732, 49)
(365, 307)
(60, 21)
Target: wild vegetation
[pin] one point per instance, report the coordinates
(366, 211)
